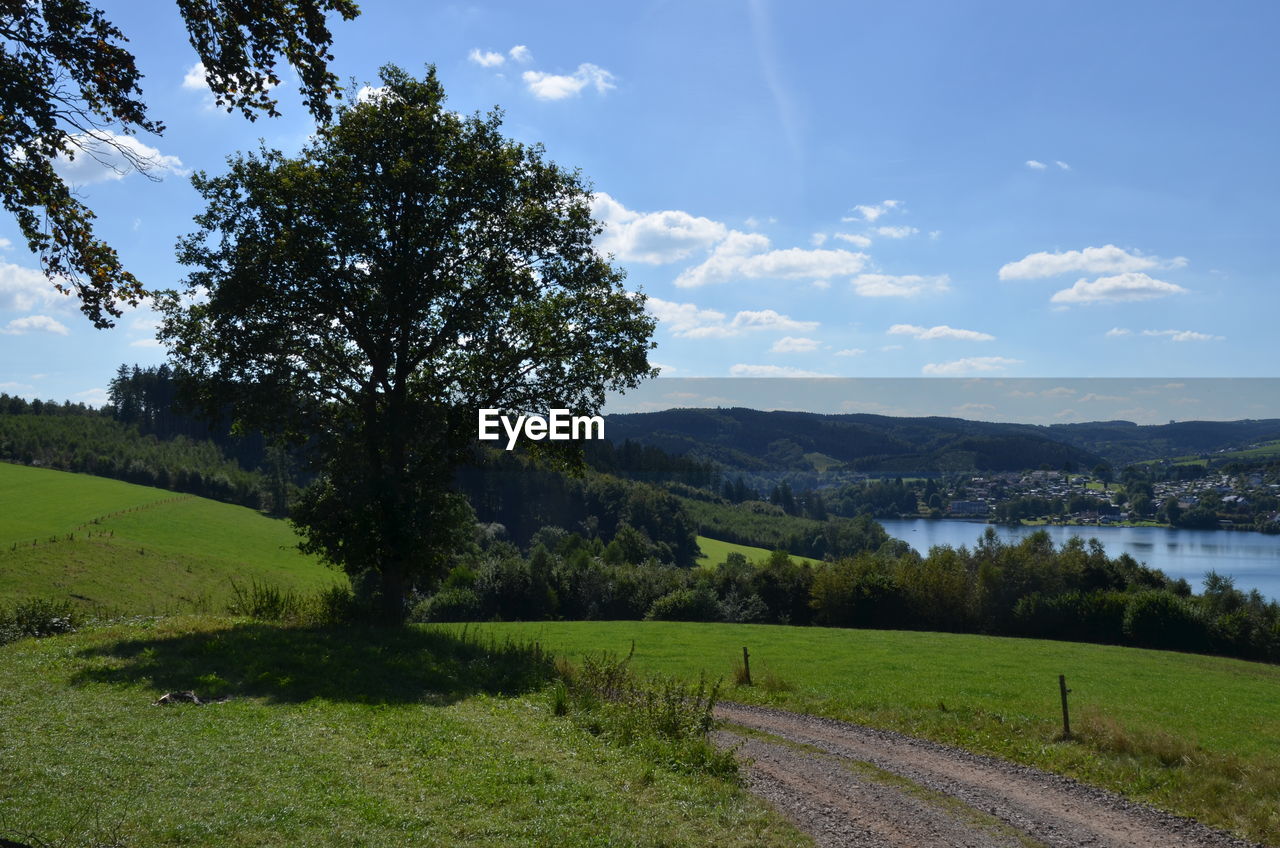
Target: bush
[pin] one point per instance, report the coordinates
(699, 604)
(668, 721)
(35, 618)
(453, 604)
(1163, 620)
(265, 602)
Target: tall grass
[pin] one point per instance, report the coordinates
(37, 617)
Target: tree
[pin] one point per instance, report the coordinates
(67, 79)
(410, 266)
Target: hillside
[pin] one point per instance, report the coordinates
(752, 441)
(762, 442)
(135, 548)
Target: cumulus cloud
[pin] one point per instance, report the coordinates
(942, 331)
(1116, 289)
(853, 238)
(1117, 332)
(93, 397)
(871, 213)
(652, 237)
(741, 370)
(794, 344)
(909, 285)
(970, 365)
(747, 255)
(194, 79)
(520, 54)
(1184, 335)
(1036, 166)
(546, 86)
(896, 232)
(486, 58)
(1063, 165)
(34, 324)
(850, 351)
(24, 289)
(688, 321)
(1107, 259)
(101, 156)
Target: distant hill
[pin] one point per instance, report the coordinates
(770, 442)
(763, 442)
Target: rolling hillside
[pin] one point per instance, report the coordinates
(134, 548)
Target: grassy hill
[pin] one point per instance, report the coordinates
(714, 552)
(382, 738)
(1197, 735)
(133, 548)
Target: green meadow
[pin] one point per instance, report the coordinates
(1196, 735)
(714, 552)
(116, 546)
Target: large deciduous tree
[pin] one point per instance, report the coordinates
(68, 84)
(409, 267)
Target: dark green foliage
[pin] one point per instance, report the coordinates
(451, 604)
(765, 525)
(1164, 620)
(698, 603)
(37, 617)
(410, 266)
(69, 82)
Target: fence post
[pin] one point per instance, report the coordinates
(746, 666)
(1066, 716)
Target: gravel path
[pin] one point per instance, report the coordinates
(848, 785)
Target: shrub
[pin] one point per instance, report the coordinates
(699, 604)
(37, 617)
(1163, 620)
(454, 604)
(264, 602)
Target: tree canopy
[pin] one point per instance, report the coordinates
(68, 83)
(368, 296)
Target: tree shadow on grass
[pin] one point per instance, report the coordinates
(293, 664)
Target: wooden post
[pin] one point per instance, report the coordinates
(1066, 717)
(746, 666)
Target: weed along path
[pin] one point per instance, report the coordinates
(848, 785)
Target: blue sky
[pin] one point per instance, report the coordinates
(1005, 190)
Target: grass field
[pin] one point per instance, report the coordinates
(131, 548)
(332, 737)
(714, 552)
(1193, 734)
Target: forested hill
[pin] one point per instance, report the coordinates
(755, 441)
(1123, 442)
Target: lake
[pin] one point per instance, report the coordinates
(1253, 559)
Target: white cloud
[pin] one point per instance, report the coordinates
(909, 285)
(747, 255)
(942, 331)
(16, 387)
(850, 351)
(794, 344)
(34, 324)
(486, 58)
(24, 289)
(741, 370)
(1117, 289)
(1063, 165)
(934, 235)
(896, 232)
(546, 86)
(652, 237)
(93, 397)
(371, 93)
(965, 408)
(1117, 332)
(971, 365)
(195, 79)
(664, 369)
(871, 213)
(5, 244)
(520, 54)
(853, 238)
(818, 239)
(1091, 260)
(1184, 335)
(821, 284)
(1096, 398)
(687, 321)
(101, 156)
(1036, 166)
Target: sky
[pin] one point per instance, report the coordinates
(853, 189)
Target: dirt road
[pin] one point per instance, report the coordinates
(848, 785)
